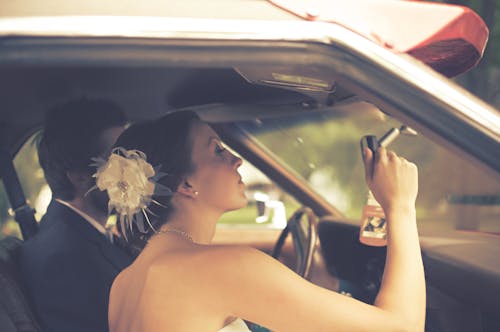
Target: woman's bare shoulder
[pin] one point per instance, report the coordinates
(207, 262)
(229, 258)
(116, 295)
(209, 256)
(201, 274)
(118, 282)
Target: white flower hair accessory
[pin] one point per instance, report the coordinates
(131, 183)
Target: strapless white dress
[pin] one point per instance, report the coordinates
(237, 325)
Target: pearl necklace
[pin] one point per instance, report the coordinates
(183, 234)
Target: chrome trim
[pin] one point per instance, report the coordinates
(156, 27)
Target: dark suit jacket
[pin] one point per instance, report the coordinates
(68, 268)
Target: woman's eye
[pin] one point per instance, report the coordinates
(219, 149)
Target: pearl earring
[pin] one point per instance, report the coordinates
(195, 193)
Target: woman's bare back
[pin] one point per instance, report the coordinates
(156, 293)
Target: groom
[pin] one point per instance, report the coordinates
(69, 266)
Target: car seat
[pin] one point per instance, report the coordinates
(15, 312)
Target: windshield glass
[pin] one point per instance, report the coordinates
(323, 148)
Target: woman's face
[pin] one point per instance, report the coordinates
(216, 177)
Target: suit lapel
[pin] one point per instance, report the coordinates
(116, 257)
(58, 213)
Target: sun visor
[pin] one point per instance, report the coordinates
(449, 38)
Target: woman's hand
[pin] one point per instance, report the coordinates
(393, 180)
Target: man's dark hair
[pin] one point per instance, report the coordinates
(71, 137)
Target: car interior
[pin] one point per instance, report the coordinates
(233, 95)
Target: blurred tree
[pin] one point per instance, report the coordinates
(484, 79)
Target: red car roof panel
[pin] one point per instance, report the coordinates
(449, 38)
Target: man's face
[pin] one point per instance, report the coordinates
(109, 137)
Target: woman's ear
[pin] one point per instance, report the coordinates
(187, 190)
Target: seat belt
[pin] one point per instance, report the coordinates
(22, 212)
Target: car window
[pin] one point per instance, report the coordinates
(34, 186)
(323, 147)
(268, 205)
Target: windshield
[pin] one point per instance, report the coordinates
(323, 147)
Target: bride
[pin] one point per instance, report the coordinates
(171, 179)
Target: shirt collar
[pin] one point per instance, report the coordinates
(85, 216)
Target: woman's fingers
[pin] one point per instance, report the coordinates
(394, 180)
(381, 155)
(391, 155)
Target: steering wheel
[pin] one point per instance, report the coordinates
(304, 236)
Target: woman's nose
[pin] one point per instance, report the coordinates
(236, 161)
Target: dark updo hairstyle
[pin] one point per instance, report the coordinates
(167, 142)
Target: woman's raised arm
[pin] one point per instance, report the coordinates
(260, 289)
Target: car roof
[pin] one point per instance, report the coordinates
(149, 64)
(217, 9)
(450, 38)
